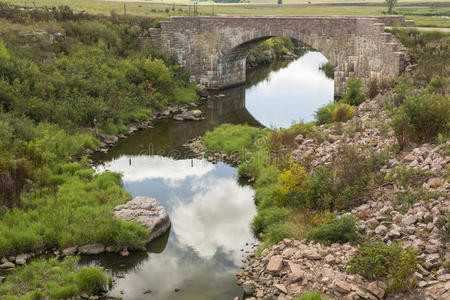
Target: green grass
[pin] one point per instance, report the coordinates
(78, 213)
(312, 296)
(378, 261)
(230, 139)
(53, 279)
(423, 12)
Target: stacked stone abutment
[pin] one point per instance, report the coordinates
(214, 49)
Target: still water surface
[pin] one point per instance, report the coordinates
(209, 207)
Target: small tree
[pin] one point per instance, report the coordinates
(390, 4)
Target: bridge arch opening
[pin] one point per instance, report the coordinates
(232, 66)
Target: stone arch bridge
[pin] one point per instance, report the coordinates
(214, 49)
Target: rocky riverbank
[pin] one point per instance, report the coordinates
(410, 207)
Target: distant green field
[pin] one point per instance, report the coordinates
(424, 13)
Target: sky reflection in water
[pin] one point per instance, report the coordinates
(210, 214)
(291, 94)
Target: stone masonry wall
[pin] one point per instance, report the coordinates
(214, 49)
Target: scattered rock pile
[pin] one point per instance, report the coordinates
(362, 131)
(294, 267)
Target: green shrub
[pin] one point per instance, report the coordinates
(267, 217)
(354, 94)
(437, 84)
(377, 261)
(427, 115)
(341, 230)
(328, 69)
(342, 112)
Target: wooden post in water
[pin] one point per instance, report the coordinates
(124, 8)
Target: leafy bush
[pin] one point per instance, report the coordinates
(421, 118)
(342, 112)
(354, 94)
(341, 230)
(328, 69)
(294, 182)
(377, 261)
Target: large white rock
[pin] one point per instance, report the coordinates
(147, 212)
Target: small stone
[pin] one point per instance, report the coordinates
(376, 290)
(434, 182)
(2, 279)
(329, 259)
(275, 264)
(112, 249)
(373, 223)
(21, 259)
(409, 157)
(297, 272)
(288, 253)
(409, 220)
(70, 251)
(342, 287)
(281, 288)
(381, 230)
(311, 254)
(249, 288)
(92, 249)
(7, 265)
(124, 252)
(394, 233)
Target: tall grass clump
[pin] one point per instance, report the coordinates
(334, 112)
(354, 94)
(421, 118)
(429, 51)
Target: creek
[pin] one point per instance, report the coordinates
(209, 207)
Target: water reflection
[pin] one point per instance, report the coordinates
(210, 213)
(290, 94)
(209, 209)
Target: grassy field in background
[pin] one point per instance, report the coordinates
(425, 14)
